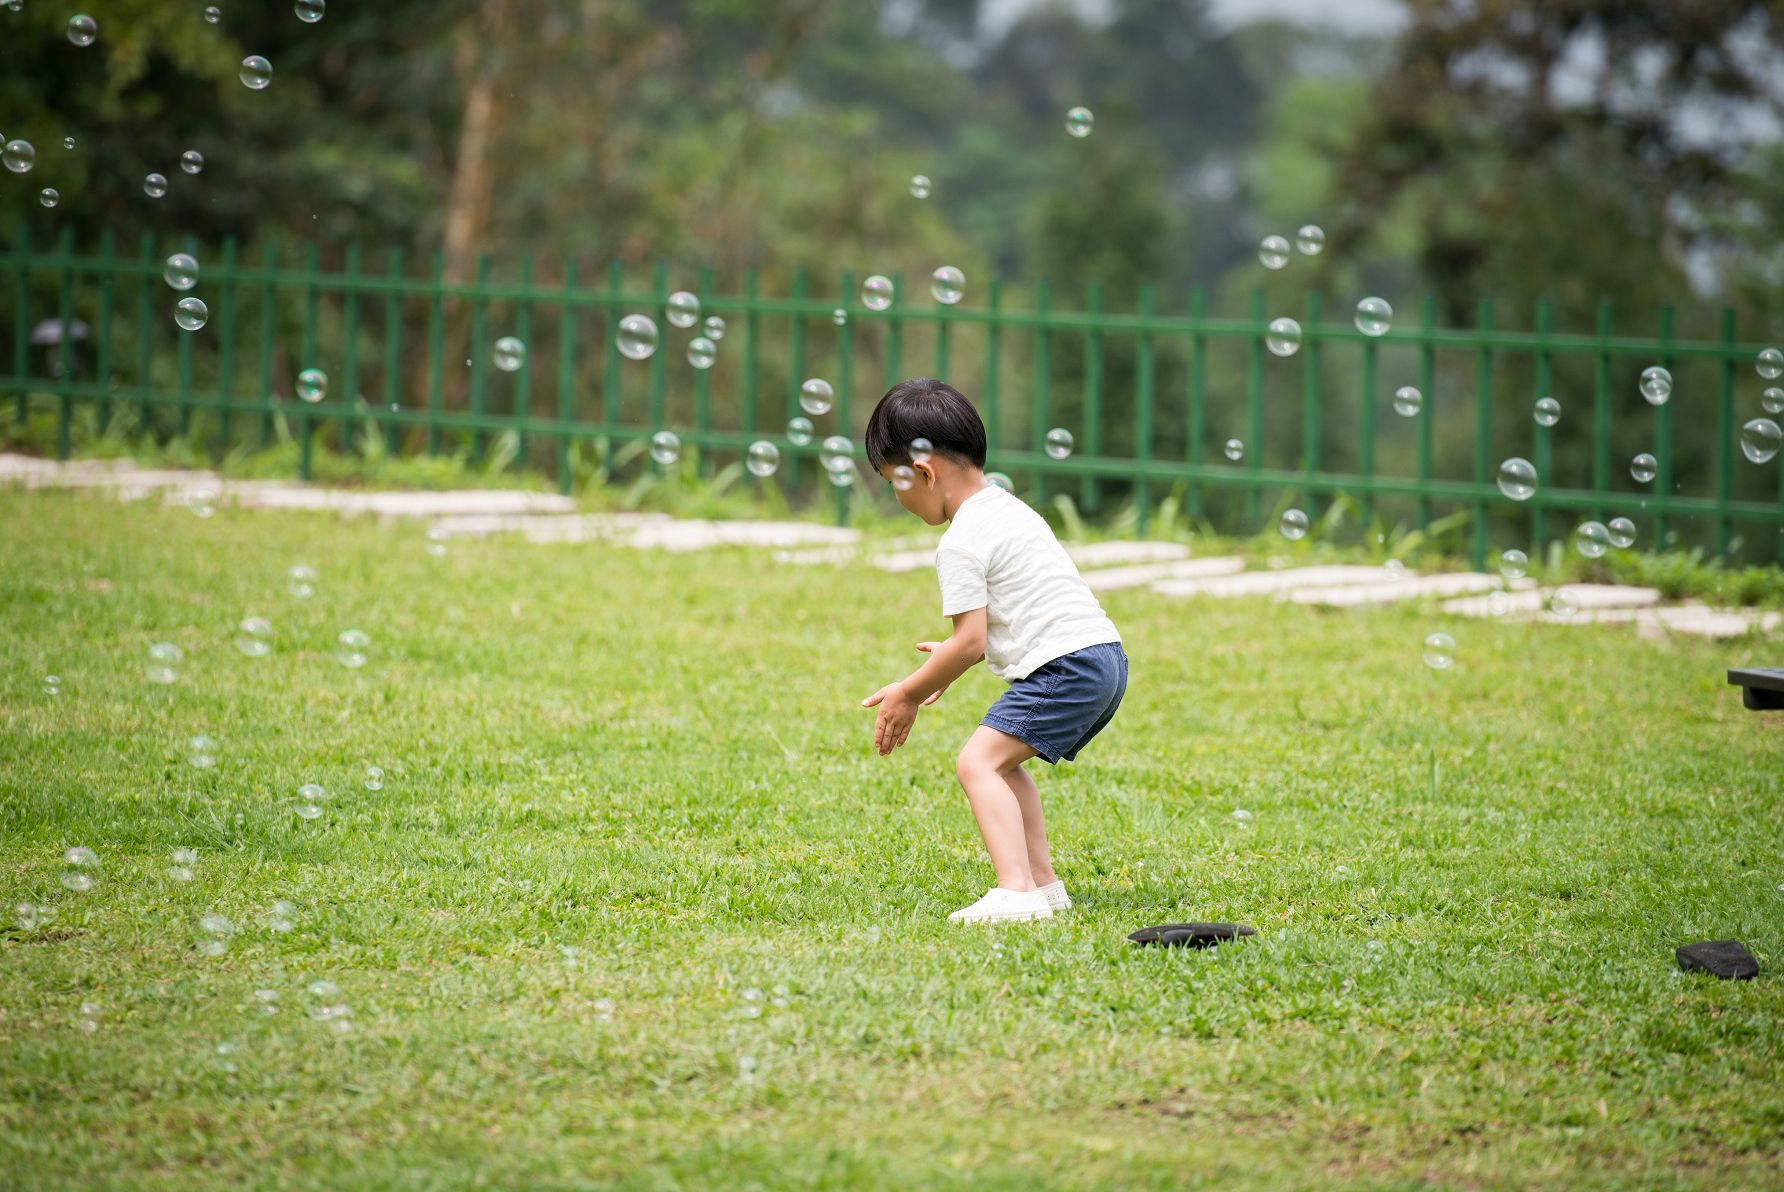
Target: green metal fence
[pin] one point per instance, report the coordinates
(1150, 394)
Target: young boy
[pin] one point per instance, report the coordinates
(1016, 601)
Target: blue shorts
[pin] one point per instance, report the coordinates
(1058, 708)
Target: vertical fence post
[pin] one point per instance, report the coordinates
(659, 364)
(1427, 377)
(1143, 396)
(186, 344)
(21, 321)
(102, 364)
(269, 305)
(1663, 430)
(1542, 437)
(894, 336)
(523, 376)
(845, 390)
(65, 343)
(226, 325)
(1040, 401)
(1089, 491)
(1366, 456)
(703, 376)
(393, 352)
(1483, 428)
(347, 393)
(145, 336)
(566, 380)
(611, 378)
(1310, 392)
(1601, 412)
(1254, 409)
(752, 334)
(1196, 430)
(1724, 449)
(796, 373)
(436, 353)
(944, 324)
(479, 349)
(993, 338)
(306, 438)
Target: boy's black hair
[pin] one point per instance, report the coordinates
(924, 408)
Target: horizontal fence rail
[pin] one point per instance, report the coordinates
(1152, 396)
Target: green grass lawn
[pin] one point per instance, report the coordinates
(644, 777)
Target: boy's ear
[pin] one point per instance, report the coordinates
(926, 470)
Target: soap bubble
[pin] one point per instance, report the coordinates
(1234, 450)
(180, 272)
(1498, 603)
(301, 581)
(310, 11)
(763, 459)
(903, 477)
(1592, 539)
(1243, 818)
(283, 912)
(312, 385)
(1284, 337)
(19, 156)
(714, 327)
(947, 285)
(839, 316)
(67, 142)
(1080, 122)
(323, 990)
(202, 499)
(837, 454)
(49, 196)
(919, 186)
(1059, 442)
(816, 396)
(510, 354)
(213, 14)
(1517, 478)
(1759, 440)
(202, 752)
(800, 431)
(436, 542)
(1513, 564)
(28, 915)
(637, 337)
(351, 647)
(224, 1053)
(841, 477)
(1621, 531)
(77, 881)
(90, 1013)
(1373, 316)
(52, 685)
(1770, 363)
(1643, 468)
(683, 309)
(1272, 252)
(1656, 385)
(702, 352)
(1293, 525)
(256, 72)
(920, 449)
(1310, 240)
(81, 856)
(1564, 603)
(1000, 480)
(1408, 401)
(1772, 400)
(164, 663)
(1395, 569)
(1440, 651)
(308, 811)
(154, 185)
(1547, 411)
(876, 292)
(665, 447)
(82, 29)
(192, 161)
(183, 860)
(374, 778)
(603, 1008)
(266, 1001)
(215, 924)
(191, 313)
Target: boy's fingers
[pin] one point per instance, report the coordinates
(873, 699)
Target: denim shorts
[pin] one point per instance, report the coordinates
(1058, 708)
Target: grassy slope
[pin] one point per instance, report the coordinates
(657, 760)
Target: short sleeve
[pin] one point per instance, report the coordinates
(962, 577)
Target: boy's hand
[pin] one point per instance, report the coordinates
(897, 713)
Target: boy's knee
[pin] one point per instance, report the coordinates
(971, 764)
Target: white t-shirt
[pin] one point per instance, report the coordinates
(1001, 556)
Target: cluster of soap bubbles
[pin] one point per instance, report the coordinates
(1273, 250)
(1762, 437)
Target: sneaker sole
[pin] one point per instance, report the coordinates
(1007, 917)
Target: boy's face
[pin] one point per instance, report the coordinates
(924, 496)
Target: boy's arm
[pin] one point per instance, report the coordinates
(898, 702)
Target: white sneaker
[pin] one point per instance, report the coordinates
(1001, 906)
(1057, 898)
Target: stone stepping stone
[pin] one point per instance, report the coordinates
(1114, 579)
(703, 535)
(1084, 554)
(1530, 600)
(547, 527)
(390, 505)
(1390, 591)
(1267, 583)
(1700, 620)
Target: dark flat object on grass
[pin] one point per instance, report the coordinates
(1762, 688)
(1190, 935)
(1725, 958)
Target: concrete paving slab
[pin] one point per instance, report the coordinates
(1532, 600)
(391, 505)
(1084, 554)
(1114, 579)
(1390, 591)
(546, 527)
(1267, 583)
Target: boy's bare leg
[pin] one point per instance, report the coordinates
(984, 768)
(1034, 828)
